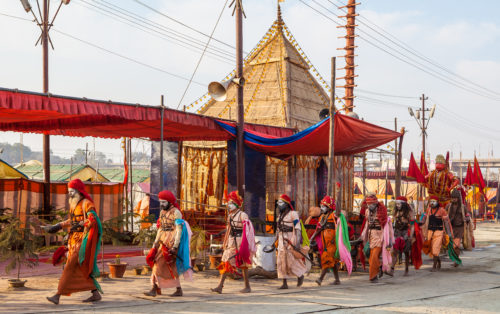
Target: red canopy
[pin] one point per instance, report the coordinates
(59, 115)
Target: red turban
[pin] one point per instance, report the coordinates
(371, 199)
(285, 198)
(78, 185)
(328, 201)
(434, 197)
(235, 198)
(402, 198)
(166, 195)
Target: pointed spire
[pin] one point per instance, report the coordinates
(280, 20)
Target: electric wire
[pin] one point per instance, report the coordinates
(412, 62)
(181, 23)
(203, 54)
(125, 57)
(408, 48)
(161, 27)
(152, 31)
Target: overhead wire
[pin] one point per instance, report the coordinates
(125, 57)
(152, 31)
(408, 48)
(181, 23)
(412, 62)
(162, 27)
(203, 54)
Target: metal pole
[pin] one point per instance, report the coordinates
(240, 151)
(386, 179)
(364, 174)
(423, 124)
(162, 112)
(331, 151)
(46, 138)
(130, 166)
(397, 177)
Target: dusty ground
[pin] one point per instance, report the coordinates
(473, 287)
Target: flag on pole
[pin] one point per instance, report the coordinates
(468, 181)
(414, 171)
(423, 165)
(478, 178)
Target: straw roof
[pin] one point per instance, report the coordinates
(280, 89)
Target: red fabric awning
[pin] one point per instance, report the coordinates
(59, 115)
(352, 136)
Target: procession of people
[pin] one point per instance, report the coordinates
(386, 239)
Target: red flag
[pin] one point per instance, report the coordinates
(478, 178)
(448, 160)
(423, 165)
(468, 181)
(414, 172)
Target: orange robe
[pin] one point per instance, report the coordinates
(76, 277)
(435, 236)
(328, 259)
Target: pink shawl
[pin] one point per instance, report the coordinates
(345, 255)
(388, 242)
(247, 247)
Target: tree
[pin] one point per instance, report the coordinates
(18, 245)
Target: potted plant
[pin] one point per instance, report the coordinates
(18, 246)
(138, 270)
(197, 247)
(112, 230)
(146, 235)
(117, 269)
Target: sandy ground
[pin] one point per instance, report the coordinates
(473, 287)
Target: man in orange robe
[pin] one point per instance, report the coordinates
(436, 220)
(85, 232)
(326, 228)
(239, 243)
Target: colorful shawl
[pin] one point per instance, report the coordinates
(416, 248)
(89, 249)
(305, 238)
(183, 261)
(343, 251)
(388, 242)
(247, 248)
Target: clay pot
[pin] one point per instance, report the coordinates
(138, 271)
(146, 269)
(104, 275)
(15, 283)
(117, 270)
(214, 261)
(200, 267)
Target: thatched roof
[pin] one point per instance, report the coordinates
(280, 89)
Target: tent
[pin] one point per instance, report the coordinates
(9, 172)
(63, 172)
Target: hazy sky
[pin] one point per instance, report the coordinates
(458, 36)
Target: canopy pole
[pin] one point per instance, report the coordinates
(331, 151)
(46, 137)
(240, 149)
(162, 110)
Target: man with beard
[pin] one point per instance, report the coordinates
(436, 220)
(169, 257)
(290, 263)
(327, 228)
(239, 243)
(459, 217)
(84, 240)
(403, 232)
(377, 235)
